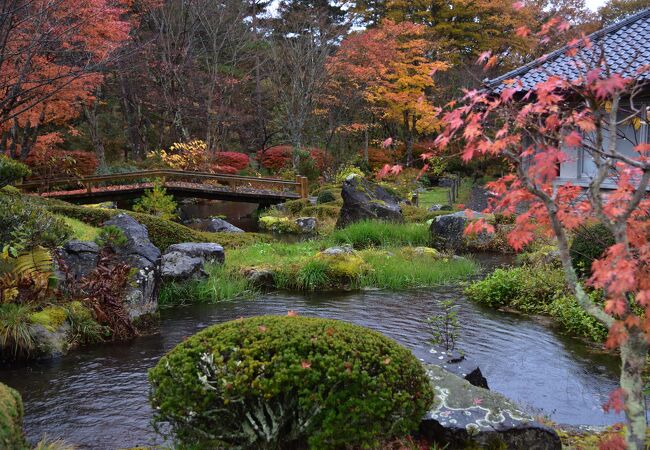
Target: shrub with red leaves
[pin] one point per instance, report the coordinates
(61, 164)
(225, 170)
(279, 157)
(378, 157)
(233, 159)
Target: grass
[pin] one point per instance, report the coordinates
(15, 336)
(382, 234)
(223, 283)
(399, 271)
(436, 195)
(80, 231)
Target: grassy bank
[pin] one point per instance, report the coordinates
(389, 258)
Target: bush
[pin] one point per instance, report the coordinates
(283, 382)
(15, 335)
(236, 160)
(282, 225)
(157, 203)
(11, 419)
(325, 197)
(26, 225)
(12, 171)
(281, 156)
(346, 171)
(575, 320)
(370, 233)
(589, 243)
(295, 207)
(61, 164)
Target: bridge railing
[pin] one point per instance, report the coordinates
(299, 186)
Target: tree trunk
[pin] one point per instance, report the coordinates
(132, 118)
(633, 358)
(365, 146)
(409, 138)
(95, 135)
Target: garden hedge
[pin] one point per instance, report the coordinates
(11, 419)
(288, 382)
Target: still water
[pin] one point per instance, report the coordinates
(97, 397)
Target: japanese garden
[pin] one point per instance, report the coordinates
(318, 224)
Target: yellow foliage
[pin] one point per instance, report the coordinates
(191, 156)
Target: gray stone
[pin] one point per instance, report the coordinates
(364, 200)
(447, 231)
(141, 297)
(476, 378)
(463, 414)
(208, 252)
(260, 277)
(50, 344)
(439, 207)
(217, 225)
(177, 266)
(306, 224)
(79, 257)
(339, 250)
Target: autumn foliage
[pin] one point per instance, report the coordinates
(239, 161)
(49, 163)
(280, 156)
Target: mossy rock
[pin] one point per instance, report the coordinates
(282, 225)
(421, 252)
(51, 317)
(289, 382)
(11, 419)
(349, 266)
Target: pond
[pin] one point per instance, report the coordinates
(97, 397)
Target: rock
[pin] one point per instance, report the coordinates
(425, 251)
(208, 252)
(260, 277)
(11, 419)
(339, 250)
(50, 343)
(177, 266)
(439, 207)
(447, 231)
(141, 297)
(364, 200)
(216, 225)
(476, 378)
(463, 414)
(307, 225)
(281, 225)
(80, 258)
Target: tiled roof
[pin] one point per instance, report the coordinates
(626, 45)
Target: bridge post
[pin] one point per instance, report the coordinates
(303, 186)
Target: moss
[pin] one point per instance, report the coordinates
(349, 266)
(51, 317)
(322, 212)
(282, 225)
(296, 206)
(410, 252)
(329, 383)
(11, 418)
(80, 231)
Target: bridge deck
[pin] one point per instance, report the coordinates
(184, 184)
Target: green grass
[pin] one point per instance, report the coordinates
(382, 234)
(223, 283)
(80, 231)
(436, 195)
(399, 272)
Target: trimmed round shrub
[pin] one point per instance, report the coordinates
(12, 171)
(11, 419)
(589, 243)
(289, 382)
(326, 197)
(233, 159)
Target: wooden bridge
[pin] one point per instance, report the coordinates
(98, 188)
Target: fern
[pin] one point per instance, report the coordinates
(37, 261)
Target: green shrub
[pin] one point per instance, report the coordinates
(15, 335)
(26, 225)
(589, 243)
(325, 197)
(12, 171)
(371, 233)
(83, 327)
(345, 171)
(322, 212)
(157, 203)
(11, 419)
(111, 236)
(295, 207)
(285, 382)
(282, 225)
(575, 320)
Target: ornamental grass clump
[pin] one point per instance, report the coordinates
(288, 382)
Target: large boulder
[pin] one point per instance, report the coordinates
(208, 252)
(364, 200)
(447, 231)
(139, 253)
(464, 415)
(11, 419)
(185, 261)
(307, 225)
(80, 258)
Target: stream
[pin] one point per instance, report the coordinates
(97, 397)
